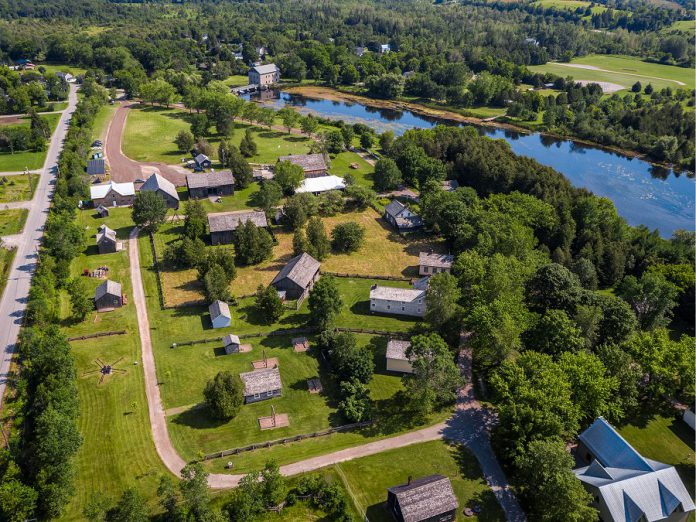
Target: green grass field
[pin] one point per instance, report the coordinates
(150, 133)
(236, 80)
(623, 70)
(571, 5)
(101, 121)
(341, 166)
(368, 478)
(58, 67)
(19, 187)
(12, 221)
(22, 160)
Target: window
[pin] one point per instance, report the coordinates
(388, 307)
(373, 305)
(425, 269)
(257, 396)
(419, 310)
(420, 301)
(269, 393)
(403, 308)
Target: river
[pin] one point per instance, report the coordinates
(643, 194)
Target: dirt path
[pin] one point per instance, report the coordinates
(124, 169)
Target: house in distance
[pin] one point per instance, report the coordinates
(401, 217)
(297, 277)
(202, 162)
(220, 183)
(626, 485)
(163, 187)
(264, 75)
(428, 498)
(108, 296)
(220, 315)
(223, 224)
(260, 385)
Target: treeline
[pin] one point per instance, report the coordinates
(21, 92)
(553, 351)
(37, 470)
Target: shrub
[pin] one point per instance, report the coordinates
(347, 237)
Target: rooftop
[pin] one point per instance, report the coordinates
(101, 190)
(157, 182)
(321, 184)
(437, 260)
(396, 349)
(96, 166)
(108, 287)
(390, 293)
(395, 207)
(231, 339)
(425, 497)
(261, 381)
(300, 270)
(105, 232)
(226, 221)
(210, 180)
(308, 162)
(265, 69)
(218, 308)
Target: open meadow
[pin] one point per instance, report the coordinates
(12, 221)
(18, 187)
(22, 160)
(621, 70)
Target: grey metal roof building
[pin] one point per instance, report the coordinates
(220, 315)
(400, 216)
(164, 187)
(297, 276)
(627, 486)
(261, 384)
(426, 498)
(96, 167)
(210, 180)
(226, 221)
(108, 296)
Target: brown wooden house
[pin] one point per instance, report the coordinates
(427, 499)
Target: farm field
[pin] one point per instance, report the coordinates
(12, 221)
(384, 253)
(150, 132)
(18, 187)
(368, 478)
(622, 70)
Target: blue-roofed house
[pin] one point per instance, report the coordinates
(626, 486)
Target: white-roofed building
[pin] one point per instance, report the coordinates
(112, 194)
(626, 486)
(321, 184)
(397, 301)
(263, 75)
(396, 356)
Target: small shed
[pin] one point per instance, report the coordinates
(96, 167)
(106, 240)
(220, 315)
(424, 499)
(108, 296)
(203, 161)
(297, 278)
(231, 343)
(396, 356)
(102, 211)
(223, 224)
(260, 385)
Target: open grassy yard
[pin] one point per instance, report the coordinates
(341, 166)
(241, 199)
(12, 221)
(19, 187)
(30, 160)
(623, 70)
(368, 478)
(150, 133)
(101, 121)
(61, 67)
(236, 80)
(665, 439)
(384, 253)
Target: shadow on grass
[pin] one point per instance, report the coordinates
(378, 512)
(197, 418)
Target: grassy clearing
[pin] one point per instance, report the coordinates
(20, 187)
(7, 255)
(12, 221)
(150, 133)
(368, 478)
(665, 439)
(61, 67)
(341, 166)
(27, 160)
(384, 253)
(623, 70)
(240, 200)
(236, 80)
(101, 121)
(571, 5)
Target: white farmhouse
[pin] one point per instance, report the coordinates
(397, 301)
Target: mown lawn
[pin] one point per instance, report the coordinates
(19, 187)
(341, 166)
(150, 133)
(12, 221)
(368, 478)
(384, 253)
(241, 199)
(22, 160)
(623, 70)
(101, 121)
(665, 439)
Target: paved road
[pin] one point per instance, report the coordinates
(14, 300)
(124, 169)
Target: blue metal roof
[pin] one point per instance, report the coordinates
(610, 448)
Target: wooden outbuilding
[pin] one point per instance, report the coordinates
(220, 315)
(106, 240)
(427, 499)
(231, 343)
(396, 356)
(297, 277)
(260, 385)
(108, 296)
(313, 165)
(163, 187)
(112, 194)
(220, 183)
(223, 224)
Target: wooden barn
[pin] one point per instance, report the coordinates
(297, 277)
(427, 499)
(108, 296)
(223, 224)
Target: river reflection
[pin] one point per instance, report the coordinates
(643, 193)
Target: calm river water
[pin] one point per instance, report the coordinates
(642, 193)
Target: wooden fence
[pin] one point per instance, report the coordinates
(95, 335)
(296, 438)
(368, 276)
(274, 333)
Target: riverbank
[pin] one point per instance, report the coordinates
(332, 94)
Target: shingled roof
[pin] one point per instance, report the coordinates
(96, 166)
(261, 381)
(300, 270)
(265, 69)
(437, 260)
(225, 221)
(308, 162)
(390, 293)
(425, 497)
(105, 233)
(396, 349)
(157, 182)
(210, 180)
(395, 208)
(218, 308)
(108, 287)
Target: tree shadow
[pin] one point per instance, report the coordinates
(197, 418)
(378, 512)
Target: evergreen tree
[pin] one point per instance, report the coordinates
(224, 395)
(149, 211)
(268, 304)
(216, 284)
(318, 242)
(248, 146)
(252, 244)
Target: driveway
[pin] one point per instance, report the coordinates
(14, 299)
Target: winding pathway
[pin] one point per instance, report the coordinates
(469, 424)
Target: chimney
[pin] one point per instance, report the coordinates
(410, 478)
